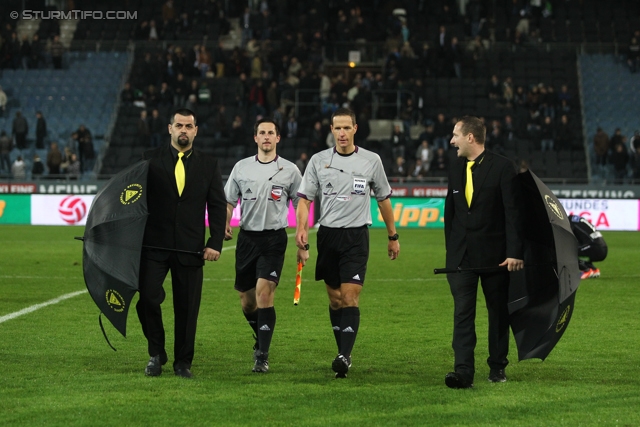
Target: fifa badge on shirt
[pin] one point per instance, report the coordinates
(359, 185)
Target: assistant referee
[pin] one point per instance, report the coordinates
(343, 178)
(265, 183)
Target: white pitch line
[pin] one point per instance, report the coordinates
(60, 298)
(39, 306)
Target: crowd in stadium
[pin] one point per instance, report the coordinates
(282, 49)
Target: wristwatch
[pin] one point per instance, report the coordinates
(306, 247)
(394, 237)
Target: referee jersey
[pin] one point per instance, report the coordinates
(344, 184)
(264, 190)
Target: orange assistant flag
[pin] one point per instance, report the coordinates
(296, 292)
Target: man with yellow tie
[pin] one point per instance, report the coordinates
(182, 183)
(483, 231)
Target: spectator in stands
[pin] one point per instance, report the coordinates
(564, 134)
(238, 138)
(564, 95)
(37, 169)
(508, 128)
(601, 147)
(507, 93)
(418, 170)
(292, 127)
(494, 140)
(37, 52)
(520, 98)
(302, 162)
(441, 132)
(257, 99)
(84, 146)
(74, 168)
(157, 128)
(54, 159)
(25, 53)
(144, 134)
(165, 97)
(221, 123)
(547, 134)
(19, 130)
(317, 138)
(180, 90)
(424, 153)
(127, 94)
(455, 56)
(494, 89)
(168, 11)
(41, 130)
(398, 142)
(56, 50)
(408, 115)
(399, 169)
(6, 145)
(616, 139)
(440, 163)
(19, 169)
(620, 160)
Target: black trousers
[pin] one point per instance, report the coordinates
(464, 288)
(186, 284)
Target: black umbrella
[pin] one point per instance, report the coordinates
(542, 295)
(113, 242)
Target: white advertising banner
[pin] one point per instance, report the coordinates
(606, 214)
(60, 210)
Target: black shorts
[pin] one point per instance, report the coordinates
(342, 255)
(259, 255)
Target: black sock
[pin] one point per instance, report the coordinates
(266, 325)
(349, 329)
(252, 319)
(336, 319)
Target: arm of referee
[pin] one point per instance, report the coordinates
(393, 247)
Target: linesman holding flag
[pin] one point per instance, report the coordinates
(264, 184)
(342, 178)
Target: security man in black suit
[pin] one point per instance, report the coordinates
(182, 183)
(483, 228)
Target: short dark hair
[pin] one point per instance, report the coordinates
(344, 112)
(266, 120)
(184, 112)
(473, 125)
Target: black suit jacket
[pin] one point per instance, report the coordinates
(490, 230)
(178, 222)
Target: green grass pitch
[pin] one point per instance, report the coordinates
(57, 370)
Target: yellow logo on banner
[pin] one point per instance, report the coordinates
(115, 301)
(554, 206)
(564, 318)
(131, 194)
(2, 205)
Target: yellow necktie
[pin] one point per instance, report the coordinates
(180, 173)
(468, 189)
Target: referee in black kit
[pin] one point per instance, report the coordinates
(342, 178)
(265, 183)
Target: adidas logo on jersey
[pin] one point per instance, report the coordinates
(347, 329)
(266, 327)
(356, 277)
(274, 274)
(248, 191)
(329, 185)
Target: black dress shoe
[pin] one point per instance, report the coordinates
(497, 376)
(456, 380)
(154, 366)
(183, 372)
